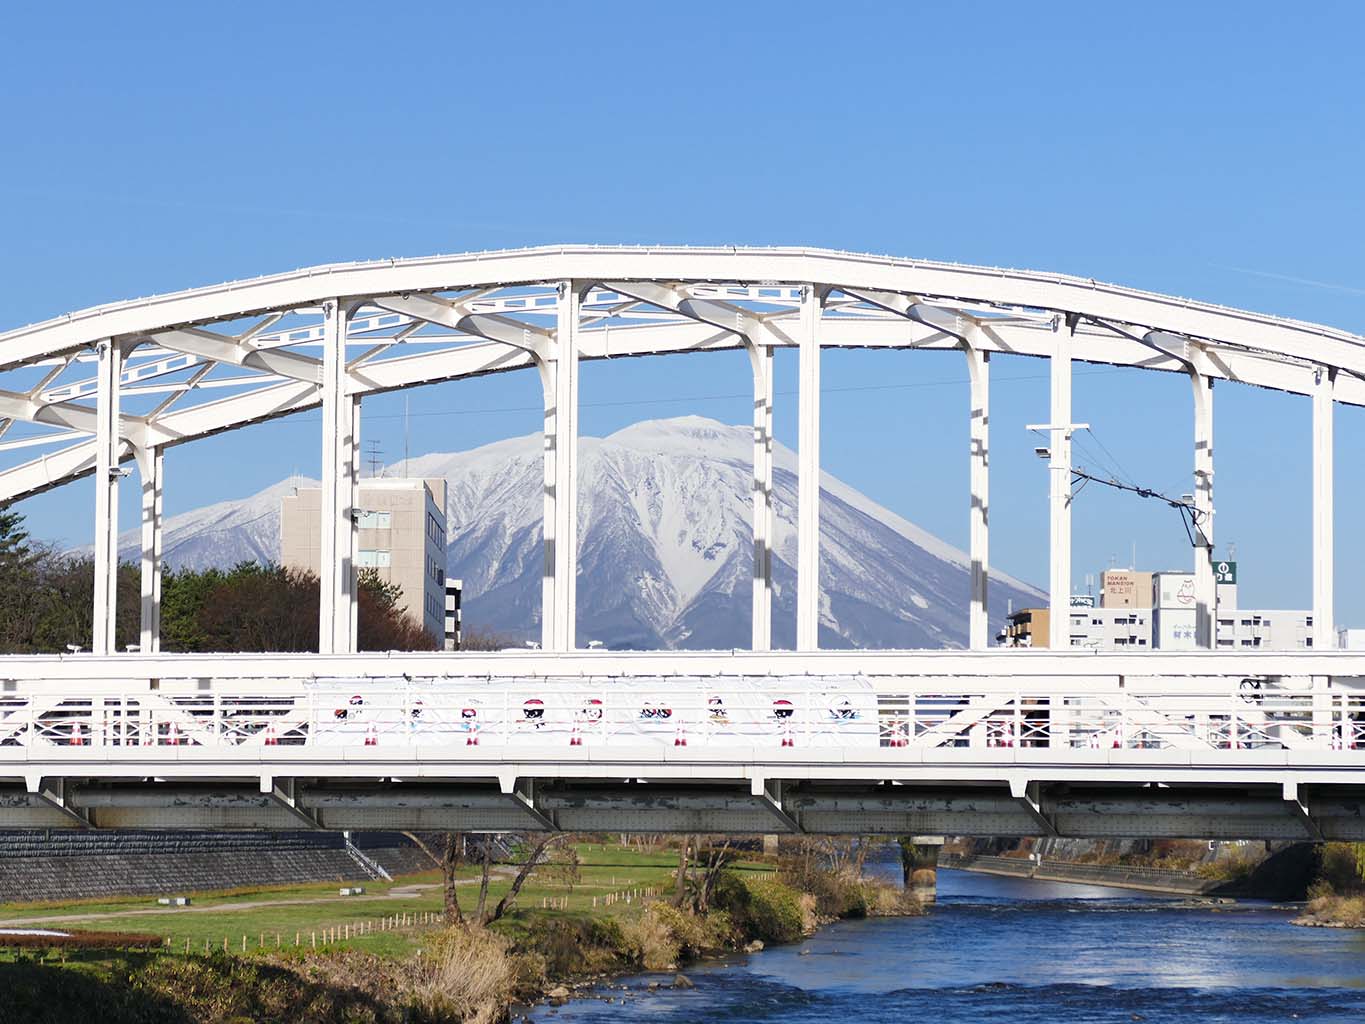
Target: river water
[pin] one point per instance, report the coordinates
(1004, 949)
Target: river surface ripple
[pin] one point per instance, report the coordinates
(1003, 949)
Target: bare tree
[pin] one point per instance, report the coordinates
(532, 858)
(451, 859)
(483, 880)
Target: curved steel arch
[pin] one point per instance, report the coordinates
(327, 336)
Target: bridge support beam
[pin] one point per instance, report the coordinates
(978, 369)
(559, 380)
(769, 795)
(761, 358)
(1324, 550)
(808, 477)
(1299, 809)
(150, 468)
(1205, 581)
(1029, 797)
(1059, 506)
(521, 792)
(53, 792)
(340, 476)
(285, 792)
(107, 474)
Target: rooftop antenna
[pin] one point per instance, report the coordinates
(1133, 564)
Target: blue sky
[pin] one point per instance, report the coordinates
(1209, 150)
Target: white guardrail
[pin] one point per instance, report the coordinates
(848, 712)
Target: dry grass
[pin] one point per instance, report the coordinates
(1329, 909)
(469, 974)
(650, 942)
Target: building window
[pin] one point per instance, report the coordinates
(374, 559)
(1224, 643)
(1225, 622)
(369, 520)
(1308, 641)
(1246, 643)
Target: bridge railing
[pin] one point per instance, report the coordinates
(844, 713)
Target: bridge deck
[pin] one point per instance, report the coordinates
(1205, 745)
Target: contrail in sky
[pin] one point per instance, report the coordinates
(1306, 281)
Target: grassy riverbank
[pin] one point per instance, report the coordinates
(612, 918)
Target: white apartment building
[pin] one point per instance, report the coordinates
(1156, 611)
(1111, 629)
(1264, 630)
(402, 536)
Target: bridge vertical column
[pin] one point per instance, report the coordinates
(1324, 547)
(761, 358)
(1059, 509)
(1205, 582)
(562, 544)
(340, 475)
(978, 370)
(150, 467)
(107, 450)
(808, 477)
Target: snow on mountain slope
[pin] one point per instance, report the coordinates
(665, 550)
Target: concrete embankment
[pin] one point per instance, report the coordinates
(1178, 883)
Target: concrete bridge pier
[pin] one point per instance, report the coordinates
(919, 865)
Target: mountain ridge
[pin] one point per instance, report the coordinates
(665, 544)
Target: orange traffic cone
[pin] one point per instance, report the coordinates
(271, 739)
(77, 735)
(173, 735)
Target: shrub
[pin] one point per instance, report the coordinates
(648, 941)
(568, 946)
(467, 973)
(775, 912)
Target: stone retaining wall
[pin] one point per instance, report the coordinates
(69, 864)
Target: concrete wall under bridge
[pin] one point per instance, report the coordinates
(1198, 745)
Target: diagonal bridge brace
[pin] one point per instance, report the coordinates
(769, 796)
(1029, 796)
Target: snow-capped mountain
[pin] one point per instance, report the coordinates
(665, 549)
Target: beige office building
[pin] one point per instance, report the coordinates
(1125, 588)
(402, 536)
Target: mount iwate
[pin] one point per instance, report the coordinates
(665, 551)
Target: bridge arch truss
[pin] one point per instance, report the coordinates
(121, 383)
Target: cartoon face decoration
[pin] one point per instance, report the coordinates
(417, 709)
(353, 711)
(715, 707)
(842, 710)
(592, 710)
(650, 710)
(533, 711)
(468, 714)
(782, 709)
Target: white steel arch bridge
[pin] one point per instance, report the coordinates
(983, 741)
